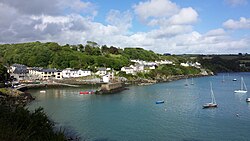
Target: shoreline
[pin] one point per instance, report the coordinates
(138, 82)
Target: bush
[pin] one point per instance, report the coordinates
(20, 124)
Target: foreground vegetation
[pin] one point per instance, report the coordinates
(19, 124)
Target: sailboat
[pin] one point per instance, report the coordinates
(242, 84)
(186, 84)
(223, 79)
(213, 103)
(192, 83)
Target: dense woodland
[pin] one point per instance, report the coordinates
(226, 63)
(52, 55)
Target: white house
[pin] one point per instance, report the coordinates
(184, 64)
(72, 73)
(106, 78)
(138, 67)
(164, 62)
(101, 71)
(128, 70)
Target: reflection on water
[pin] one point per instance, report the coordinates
(133, 114)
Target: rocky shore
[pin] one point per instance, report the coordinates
(14, 98)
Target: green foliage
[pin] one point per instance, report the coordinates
(168, 70)
(20, 124)
(141, 54)
(52, 55)
(4, 75)
(218, 64)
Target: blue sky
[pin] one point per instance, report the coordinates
(174, 26)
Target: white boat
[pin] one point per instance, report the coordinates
(234, 79)
(213, 103)
(42, 91)
(186, 83)
(248, 100)
(223, 79)
(192, 83)
(243, 88)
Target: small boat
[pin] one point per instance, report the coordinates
(192, 83)
(213, 103)
(159, 102)
(248, 99)
(242, 84)
(86, 92)
(234, 79)
(186, 83)
(223, 79)
(42, 91)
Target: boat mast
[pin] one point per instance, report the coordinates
(212, 94)
(243, 83)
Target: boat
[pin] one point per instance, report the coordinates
(248, 99)
(86, 92)
(42, 91)
(159, 102)
(213, 103)
(234, 79)
(243, 88)
(192, 83)
(186, 84)
(223, 79)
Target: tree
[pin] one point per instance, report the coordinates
(4, 75)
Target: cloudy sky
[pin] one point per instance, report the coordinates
(173, 26)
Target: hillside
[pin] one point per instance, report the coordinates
(53, 55)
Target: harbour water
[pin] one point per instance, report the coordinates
(132, 115)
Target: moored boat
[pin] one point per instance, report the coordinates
(42, 91)
(210, 105)
(243, 88)
(213, 103)
(248, 99)
(86, 92)
(159, 102)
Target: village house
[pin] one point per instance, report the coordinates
(164, 62)
(128, 70)
(73, 73)
(18, 71)
(109, 77)
(196, 64)
(102, 71)
(185, 64)
(45, 74)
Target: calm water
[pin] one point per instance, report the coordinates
(132, 115)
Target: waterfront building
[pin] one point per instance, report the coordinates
(73, 73)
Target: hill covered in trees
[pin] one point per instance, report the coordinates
(53, 55)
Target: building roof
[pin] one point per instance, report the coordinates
(50, 70)
(101, 69)
(20, 70)
(19, 66)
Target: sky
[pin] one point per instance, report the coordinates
(163, 26)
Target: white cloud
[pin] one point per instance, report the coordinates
(216, 32)
(122, 20)
(185, 16)
(243, 23)
(235, 3)
(155, 9)
(169, 31)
